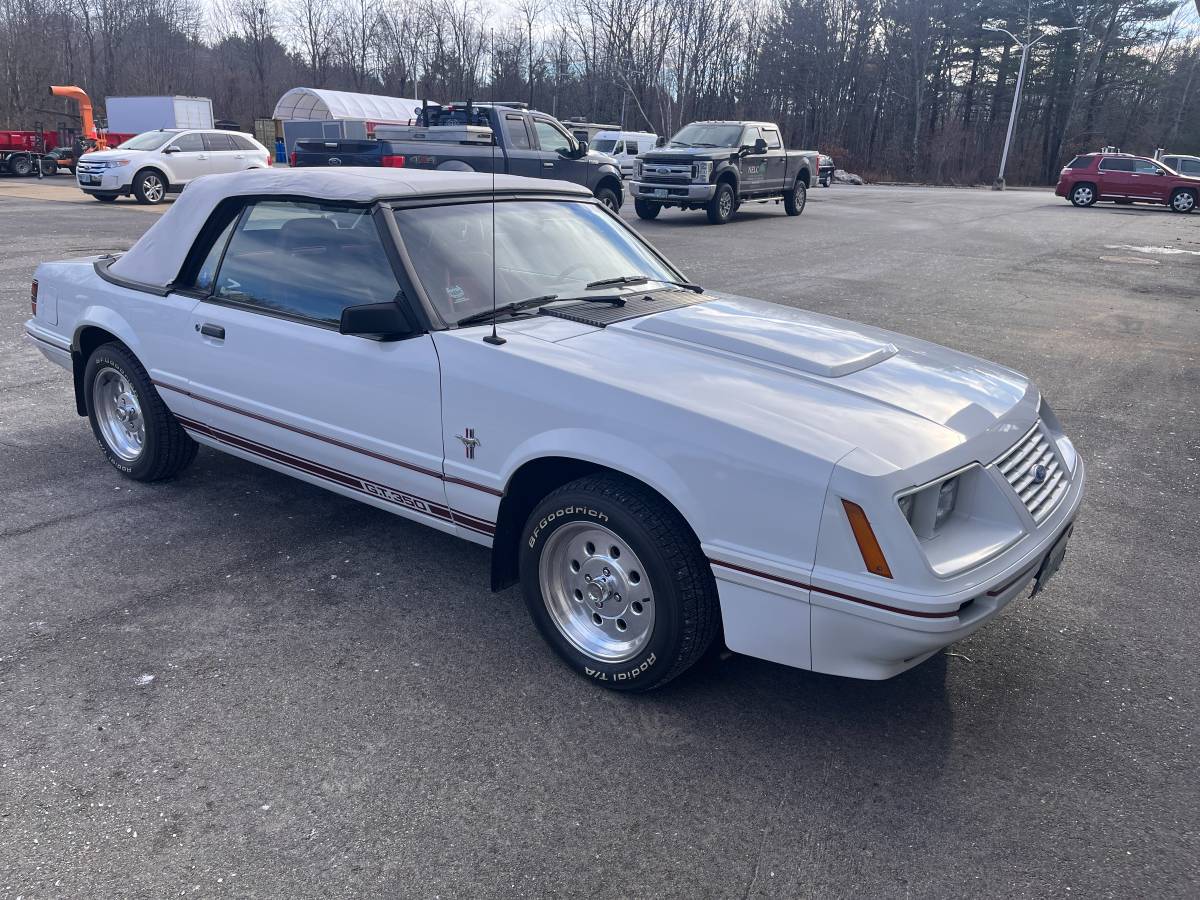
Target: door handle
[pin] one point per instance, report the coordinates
(547, 165)
(213, 331)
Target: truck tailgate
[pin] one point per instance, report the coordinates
(337, 153)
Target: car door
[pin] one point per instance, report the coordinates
(1150, 180)
(223, 154)
(187, 157)
(776, 160)
(273, 380)
(556, 148)
(753, 166)
(1115, 175)
(523, 158)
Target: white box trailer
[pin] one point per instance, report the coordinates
(133, 115)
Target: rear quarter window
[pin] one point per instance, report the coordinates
(1079, 162)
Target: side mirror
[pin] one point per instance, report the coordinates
(171, 149)
(386, 321)
(760, 146)
(583, 149)
(660, 141)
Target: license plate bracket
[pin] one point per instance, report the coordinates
(1052, 560)
(660, 192)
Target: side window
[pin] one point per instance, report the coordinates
(215, 142)
(772, 136)
(1113, 164)
(1145, 167)
(1190, 166)
(514, 130)
(207, 273)
(189, 143)
(305, 260)
(631, 147)
(549, 137)
(242, 143)
(749, 136)
(618, 148)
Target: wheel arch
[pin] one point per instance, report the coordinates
(532, 481)
(94, 332)
(153, 167)
(613, 183)
(454, 165)
(804, 175)
(729, 174)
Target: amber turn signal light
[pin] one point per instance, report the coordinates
(868, 546)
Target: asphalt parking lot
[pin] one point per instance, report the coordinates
(236, 684)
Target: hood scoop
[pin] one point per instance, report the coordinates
(771, 334)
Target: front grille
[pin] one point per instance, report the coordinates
(666, 174)
(1022, 465)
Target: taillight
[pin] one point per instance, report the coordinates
(270, 160)
(292, 159)
(392, 162)
(33, 296)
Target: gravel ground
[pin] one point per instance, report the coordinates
(237, 684)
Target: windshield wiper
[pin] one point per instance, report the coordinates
(641, 279)
(518, 305)
(681, 144)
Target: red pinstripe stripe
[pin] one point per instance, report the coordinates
(432, 473)
(354, 482)
(812, 587)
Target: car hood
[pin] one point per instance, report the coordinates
(681, 155)
(780, 370)
(107, 155)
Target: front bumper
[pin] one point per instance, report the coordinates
(675, 193)
(802, 620)
(107, 182)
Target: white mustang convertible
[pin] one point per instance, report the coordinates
(659, 466)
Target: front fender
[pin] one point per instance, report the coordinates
(601, 448)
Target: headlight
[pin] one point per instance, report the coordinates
(702, 171)
(927, 508)
(637, 168)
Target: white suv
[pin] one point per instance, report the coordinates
(156, 163)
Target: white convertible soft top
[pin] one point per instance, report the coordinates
(158, 256)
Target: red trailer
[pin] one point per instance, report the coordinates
(22, 151)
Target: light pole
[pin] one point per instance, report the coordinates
(1026, 45)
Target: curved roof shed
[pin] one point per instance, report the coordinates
(318, 104)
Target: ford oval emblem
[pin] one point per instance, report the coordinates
(663, 171)
(1040, 473)
(335, 161)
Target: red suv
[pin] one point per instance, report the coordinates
(1126, 179)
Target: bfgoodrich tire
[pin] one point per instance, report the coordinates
(140, 437)
(1083, 194)
(646, 210)
(617, 584)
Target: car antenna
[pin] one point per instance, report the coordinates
(492, 338)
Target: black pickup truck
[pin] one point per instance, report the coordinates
(459, 137)
(718, 166)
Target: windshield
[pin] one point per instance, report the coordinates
(702, 134)
(149, 140)
(605, 145)
(542, 247)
